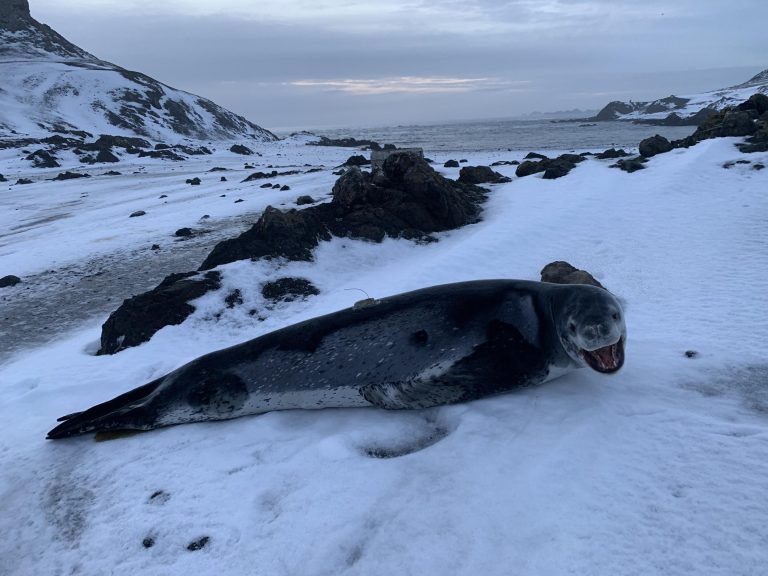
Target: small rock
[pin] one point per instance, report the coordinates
(266, 185)
(451, 164)
(240, 149)
(194, 181)
(285, 188)
(302, 200)
(2, 178)
(238, 201)
(198, 544)
(758, 166)
(463, 161)
(137, 213)
(691, 353)
(10, 280)
(183, 232)
(276, 186)
(112, 173)
(155, 247)
(535, 155)
(23, 181)
(223, 179)
(162, 196)
(148, 542)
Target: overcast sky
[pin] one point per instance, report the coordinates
(310, 63)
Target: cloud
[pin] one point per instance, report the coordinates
(413, 85)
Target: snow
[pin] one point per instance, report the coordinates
(716, 99)
(660, 469)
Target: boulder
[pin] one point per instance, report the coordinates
(535, 156)
(481, 175)
(240, 149)
(194, 181)
(612, 153)
(451, 164)
(140, 317)
(303, 200)
(288, 289)
(357, 160)
(561, 272)
(557, 168)
(529, 167)
(183, 232)
(630, 164)
(10, 280)
(654, 145)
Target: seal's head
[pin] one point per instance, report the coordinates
(590, 325)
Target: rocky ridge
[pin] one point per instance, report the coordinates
(50, 85)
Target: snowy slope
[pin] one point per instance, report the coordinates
(49, 84)
(687, 105)
(661, 469)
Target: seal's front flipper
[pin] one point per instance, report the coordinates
(121, 413)
(418, 392)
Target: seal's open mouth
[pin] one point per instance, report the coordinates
(607, 359)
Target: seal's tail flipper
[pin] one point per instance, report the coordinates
(122, 412)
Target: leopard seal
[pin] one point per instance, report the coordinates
(438, 345)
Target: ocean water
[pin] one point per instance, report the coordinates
(513, 135)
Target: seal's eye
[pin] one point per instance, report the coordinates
(615, 315)
(572, 327)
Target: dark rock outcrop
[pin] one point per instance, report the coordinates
(288, 289)
(481, 175)
(140, 317)
(407, 198)
(292, 235)
(10, 280)
(612, 153)
(43, 159)
(71, 176)
(561, 272)
(750, 118)
(655, 145)
(535, 156)
(529, 167)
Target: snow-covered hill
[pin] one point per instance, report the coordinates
(49, 84)
(661, 469)
(690, 109)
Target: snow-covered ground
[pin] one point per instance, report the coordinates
(660, 469)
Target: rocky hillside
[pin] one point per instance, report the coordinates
(51, 85)
(684, 110)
